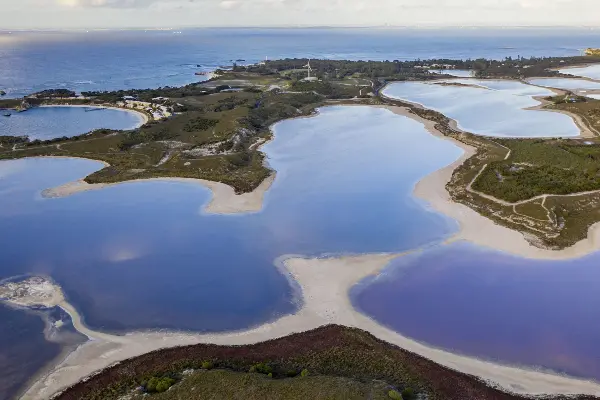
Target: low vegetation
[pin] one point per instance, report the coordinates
(219, 125)
(344, 363)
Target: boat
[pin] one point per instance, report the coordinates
(7, 114)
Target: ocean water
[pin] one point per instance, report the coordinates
(568, 84)
(497, 108)
(110, 60)
(494, 306)
(51, 122)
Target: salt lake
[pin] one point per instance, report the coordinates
(45, 123)
(486, 107)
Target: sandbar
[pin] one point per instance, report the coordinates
(224, 200)
(324, 284)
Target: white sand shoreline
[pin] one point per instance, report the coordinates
(142, 116)
(324, 284)
(476, 228)
(224, 200)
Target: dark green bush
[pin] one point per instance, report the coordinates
(261, 368)
(408, 394)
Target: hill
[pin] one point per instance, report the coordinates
(331, 362)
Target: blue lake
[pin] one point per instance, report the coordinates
(51, 122)
(494, 108)
(142, 256)
(590, 71)
(487, 304)
(566, 83)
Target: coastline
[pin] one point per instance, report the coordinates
(223, 200)
(326, 304)
(144, 119)
(324, 284)
(476, 228)
(584, 132)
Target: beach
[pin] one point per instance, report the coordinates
(324, 284)
(143, 116)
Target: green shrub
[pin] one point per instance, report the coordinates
(395, 395)
(159, 385)
(304, 373)
(261, 368)
(291, 373)
(207, 365)
(408, 394)
(270, 375)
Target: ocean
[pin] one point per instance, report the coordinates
(109, 60)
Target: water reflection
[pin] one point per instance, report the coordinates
(141, 255)
(51, 122)
(487, 304)
(493, 108)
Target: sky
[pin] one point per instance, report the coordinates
(89, 14)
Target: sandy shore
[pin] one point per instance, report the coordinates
(324, 284)
(224, 199)
(143, 116)
(476, 228)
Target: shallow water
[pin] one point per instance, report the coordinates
(51, 122)
(497, 108)
(591, 71)
(566, 83)
(487, 304)
(25, 348)
(457, 72)
(141, 256)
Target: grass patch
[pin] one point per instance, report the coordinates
(223, 384)
(537, 167)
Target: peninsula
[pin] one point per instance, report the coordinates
(214, 132)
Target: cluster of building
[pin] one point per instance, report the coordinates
(436, 66)
(157, 110)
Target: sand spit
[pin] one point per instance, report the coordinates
(474, 227)
(224, 199)
(324, 284)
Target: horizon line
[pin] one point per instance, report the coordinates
(384, 26)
